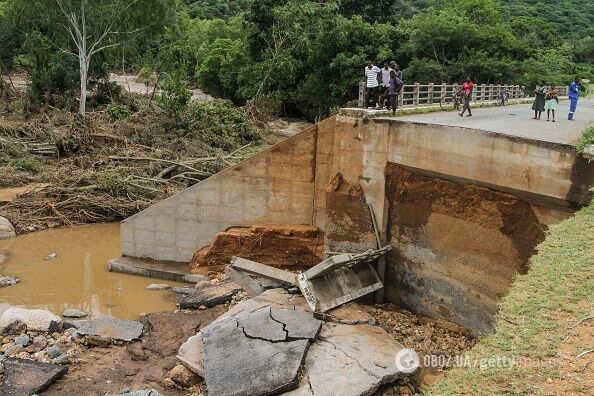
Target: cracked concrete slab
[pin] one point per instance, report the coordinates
(257, 366)
(273, 298)
(260, 324)
(350, 314)
(350, 360)
(26, 377)
(297, 324)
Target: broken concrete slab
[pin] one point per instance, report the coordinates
(166, 270)
(260, 324)
(111, 328)
(297, 324)
(27, 377)
(351, 360)
(257, 366)
(273, 298)
(266, 271)
(253, 285)
(209, 295)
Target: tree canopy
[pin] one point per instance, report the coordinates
(307, 56)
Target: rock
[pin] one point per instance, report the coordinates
(158, 286)
(209, 295)
(14, 328)
(8, 281)
(53, 351)
(74, 313)
(144, 392)
(72, 324)
(22, 341)
(27, 377)
(30, 228)
(137, 352)
(182, 376)
(39, 344)
(6, 229)
(168, 383)
(34, 319)
(98, 341)
(190, 354)
(62, 359)
(202, 307)
(51, 256)
(112, 328)
(257, 365)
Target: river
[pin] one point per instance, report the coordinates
(77, 277)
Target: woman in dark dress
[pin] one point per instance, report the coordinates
(539, 100)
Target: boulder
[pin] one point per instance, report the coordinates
(6, 229)
(34, 319)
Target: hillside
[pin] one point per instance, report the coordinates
(573, 19)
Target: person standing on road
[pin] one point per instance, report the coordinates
(467, 89)
(551, 102)
(574, 95)
(539, 100)
(392, 93)
(371, 93)
(385, 85)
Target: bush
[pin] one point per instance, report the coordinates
(586, 139)
(27, 164)
(118, 112)
(174, 100)
(106, 92)
(221, 125)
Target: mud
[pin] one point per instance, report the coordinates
(140, 365)
(294, 247)
(457, 248)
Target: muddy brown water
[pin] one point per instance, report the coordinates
(78, 276)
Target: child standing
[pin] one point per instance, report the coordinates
(551, 102)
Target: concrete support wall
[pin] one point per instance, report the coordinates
(276, 186)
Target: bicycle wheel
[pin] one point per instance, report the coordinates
(457, 103)
(446, 103)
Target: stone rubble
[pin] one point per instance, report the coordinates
(34, 319)
(26, 377)
(8, 281)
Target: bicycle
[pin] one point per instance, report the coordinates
(452, 101)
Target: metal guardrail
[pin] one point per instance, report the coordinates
(420, 95)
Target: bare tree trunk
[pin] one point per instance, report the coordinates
(82, 109)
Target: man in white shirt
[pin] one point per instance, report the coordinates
(371, 72)
(385, 85)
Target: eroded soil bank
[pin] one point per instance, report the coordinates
(457, 248)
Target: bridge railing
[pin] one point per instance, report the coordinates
(421, 95)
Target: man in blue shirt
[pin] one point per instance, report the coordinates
(574, 95)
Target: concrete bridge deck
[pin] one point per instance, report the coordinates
(514, 120)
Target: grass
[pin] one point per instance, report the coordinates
(541, 310)
(586, 139)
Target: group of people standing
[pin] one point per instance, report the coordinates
(383, 85)
(547, 98)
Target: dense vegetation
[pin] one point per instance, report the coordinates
(305, 57)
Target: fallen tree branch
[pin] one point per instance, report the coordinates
(161, 160)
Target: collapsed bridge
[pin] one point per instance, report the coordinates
(463, 205)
